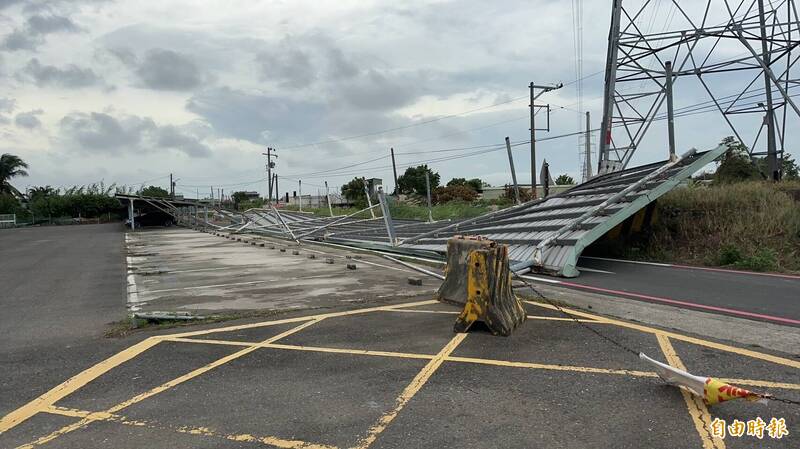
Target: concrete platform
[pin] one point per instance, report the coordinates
(182, 270)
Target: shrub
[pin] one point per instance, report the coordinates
(463, 193)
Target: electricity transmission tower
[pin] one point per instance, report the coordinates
(739, 55)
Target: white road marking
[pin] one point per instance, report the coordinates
(639, 262)
(595, 270)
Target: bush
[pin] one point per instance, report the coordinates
(750, 225)
(463, 193)
(524, 194)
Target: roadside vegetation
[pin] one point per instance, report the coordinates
(732, 218)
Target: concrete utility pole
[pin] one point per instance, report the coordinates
(300, 190)
(428, 187)
(588, 149)
(171, 186)
(534, 96)
(673, 156)
(270, 165)
(394, 170)
(513, 172)
(277, 195)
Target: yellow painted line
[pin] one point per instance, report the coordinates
(686, 338)
(304, 318)
(177, 381)
(416, 384)
(530, 317)
(697, 409)
(762, 383)
(191, 430)
(482, 361)
(73, 384)
(579, 369)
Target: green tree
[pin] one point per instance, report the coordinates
(354, 192)
(413, 180)
(735, 164)
(11, 166)
(154, 191)
(475, 183)
(564, 179)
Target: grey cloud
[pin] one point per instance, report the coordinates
(173, 137)
(7, 104)
(168, 70)
(20, 40)
(339, 66)
(70, 76)
(101, 132)
(374, 90)
(36, 28)
(39, 24)
(290, 66)
(252, 116)
(29, 120)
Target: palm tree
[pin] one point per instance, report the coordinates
(11, 166)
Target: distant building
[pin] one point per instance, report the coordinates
(250, 195)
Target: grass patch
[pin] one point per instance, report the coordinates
(451, 210)
(749, 225)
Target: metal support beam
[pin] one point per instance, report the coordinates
(328, 196)
(609, 86)
(387, 218)
(130, 214)
(513, 172)
(369, 200)
(670, 111)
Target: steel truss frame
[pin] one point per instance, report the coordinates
(766, 33)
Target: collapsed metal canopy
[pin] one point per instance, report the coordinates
(546, 235)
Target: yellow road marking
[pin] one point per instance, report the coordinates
(697, 409)
(305, 318)
(177, 381)
(686, 338)
(482, 361)
(191, 430)
(416, 384)
(530, 317)
(72, 384)
(580, 369)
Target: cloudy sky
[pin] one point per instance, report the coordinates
(127, 92)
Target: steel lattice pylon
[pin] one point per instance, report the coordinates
(747, 44)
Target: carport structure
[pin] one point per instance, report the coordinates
(396, 376)
(545, 235)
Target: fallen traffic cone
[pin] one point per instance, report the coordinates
(713, 391)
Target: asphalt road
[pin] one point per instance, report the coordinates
(59, 288)
(760, 296)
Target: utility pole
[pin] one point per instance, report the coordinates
(513, 172)
(609, 87)
(328, 196)
(772, 154)
(394, 170)
(300, 190)
(277, 195)
(428, 187)
(587, 173)
(670, 115)
(212, 196)
(534, 96)
(171, 186)
(270, 165)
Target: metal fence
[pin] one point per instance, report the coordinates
(8, 221)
